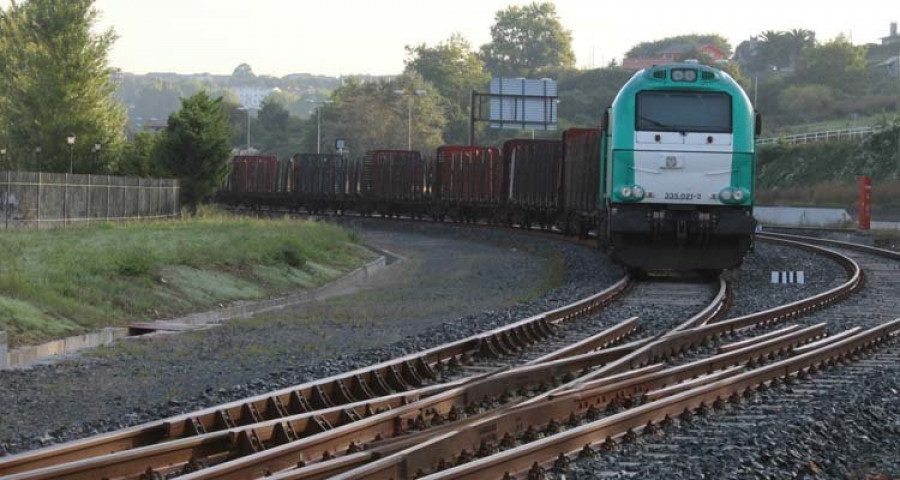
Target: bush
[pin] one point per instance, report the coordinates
(291, 255)
(134, 262)
(807, 103)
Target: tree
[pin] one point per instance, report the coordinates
(807, 103)
(454, 69)
(279, 131)
(274, 121)
(55, 81)
(243, 75)
(837, 63)
(139, 157)
(528, 41)
(651, 49)
(195, 147)
(356, 104)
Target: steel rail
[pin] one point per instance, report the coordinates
(765, 317)
(522, 459)
(678, 341)
(335, 440)
(591, 398)
(881, 252)
(276, 433)
(213, 447)
(396, 375)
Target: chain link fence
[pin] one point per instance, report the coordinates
(52, 200)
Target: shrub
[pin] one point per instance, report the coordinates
(291, 255)
(807, 102)
(134, 261)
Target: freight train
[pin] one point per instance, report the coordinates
(665, 183)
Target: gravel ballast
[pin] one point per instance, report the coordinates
(844, 423)
(453, 282)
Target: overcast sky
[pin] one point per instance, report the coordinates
(336, 37)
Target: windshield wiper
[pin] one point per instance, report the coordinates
(669, 128)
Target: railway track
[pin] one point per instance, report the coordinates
(441, 408)
(180, 441)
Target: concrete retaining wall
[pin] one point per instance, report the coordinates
(4, 358)
(25, 356)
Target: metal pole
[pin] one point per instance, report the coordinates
(409, 125)
(472, 120)
(71, 157)
(7, 198)
(318, 130)
(66, 198)
(248, 130)
(755, 89)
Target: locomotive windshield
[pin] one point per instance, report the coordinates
(707, 112)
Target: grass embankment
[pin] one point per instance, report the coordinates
(826, 174)
(63, 282)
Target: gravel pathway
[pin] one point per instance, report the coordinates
(453, 282)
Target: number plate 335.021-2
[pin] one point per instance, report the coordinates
(682, 196)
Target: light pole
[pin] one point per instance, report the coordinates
(96, 150)
(404, 93)
(248, 127)
(3, 156)
(37, 158)
(71, 141)
(319, 104)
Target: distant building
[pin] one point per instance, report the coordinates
(893, 38)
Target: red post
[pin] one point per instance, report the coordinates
(865, 202)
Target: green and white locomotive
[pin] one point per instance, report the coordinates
(678, 170)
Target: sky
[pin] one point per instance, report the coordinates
(340, 37)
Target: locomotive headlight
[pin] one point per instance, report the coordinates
(690, 75)
(738, 195)
(725, 194)
(638, 192)
(626, 192)
(678, 75)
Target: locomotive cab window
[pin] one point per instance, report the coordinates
(707, 112)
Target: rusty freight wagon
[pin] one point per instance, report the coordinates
(467, 182)
(395, 182)
(532, 181)
(581, 180)
(323, 181)
(253, 181)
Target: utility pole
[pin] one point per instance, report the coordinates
(755, 89)
(319, 105)
(414, 93)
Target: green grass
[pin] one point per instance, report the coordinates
(62, 282)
